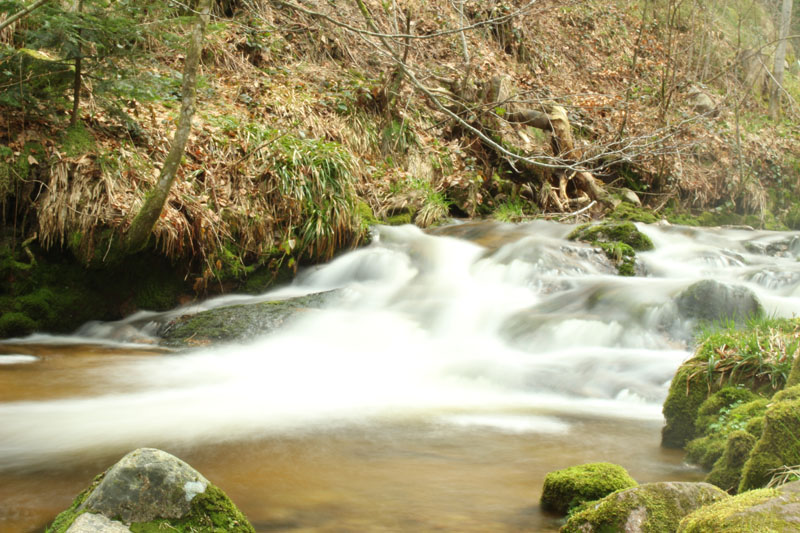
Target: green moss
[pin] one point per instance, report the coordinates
(16, 324)
(568, 488)
(727, 516)
(406, 217)
(664, 505)
(794, 374)
(212, 512)
(727, 471)
(630, 212)
(792, 217)
(624, 232)
(778, 446)
(65, 519)
(687, 392)
(623, 256)
(77, 140)
(366, 214)
(709, 412)
(705, 451)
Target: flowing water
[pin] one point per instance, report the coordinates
(451, 371)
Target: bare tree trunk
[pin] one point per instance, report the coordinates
(142, 226)
(780, 60)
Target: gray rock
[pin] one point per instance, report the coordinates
(630, 197)
(700, 101)
(147, 484)
(96, 523)
(644, 509)
(711, 300)
(238, 322)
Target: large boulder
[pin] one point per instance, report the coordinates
(151, 490)
(568, 488)
(712, 301)
(649, 508)
(779, 444)
(762, 510)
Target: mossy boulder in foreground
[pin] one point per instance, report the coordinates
(779, 444)
(727, 471)
(147, 491)
(649, 508)
(570, 487)
(762, 510)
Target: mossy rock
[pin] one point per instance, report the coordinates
(727, 471)
(709, 411)
(716, 429)
(568, 488)
(630, 212)
(687, 392)
(712, 301)
(648, 508)
(794, 375)
(706, 450)
(778, 446)
(151, 491)
(762, 510)
(238, 322)
(624, 232)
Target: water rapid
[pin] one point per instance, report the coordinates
(467, 331)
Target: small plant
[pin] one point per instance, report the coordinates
(760, 354)
(511, 211)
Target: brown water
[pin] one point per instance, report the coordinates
(407, 475)
(449, 377)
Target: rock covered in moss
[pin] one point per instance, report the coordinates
(779, 444)
(727, 470)
(717, 427)
(712, 301)
(565, 489)
(648, 508)
(151, 490)
(762, 510)
(794, 375)
(687, 392)
(624, 232)
(238, 322)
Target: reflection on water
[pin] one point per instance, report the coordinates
(450, 374)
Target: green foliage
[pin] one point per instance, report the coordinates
(515, 210)
(315, 184)
(567, 489)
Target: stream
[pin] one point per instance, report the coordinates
(451, 372)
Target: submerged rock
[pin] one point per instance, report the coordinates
(712, 301)
(568, 488)
(151, 490)
(649, 508)
(764, 510)
(238, 322)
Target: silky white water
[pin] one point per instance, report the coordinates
(484, 327)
